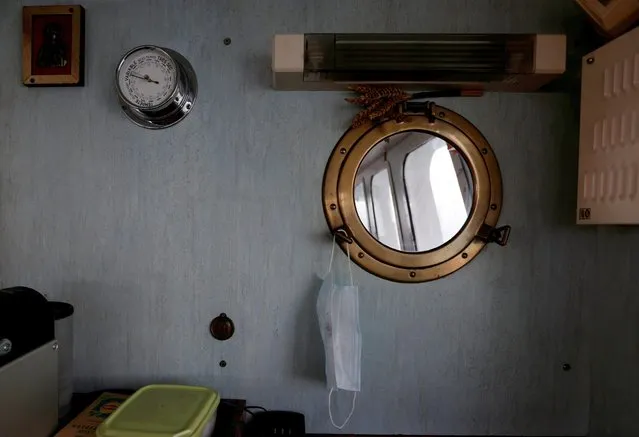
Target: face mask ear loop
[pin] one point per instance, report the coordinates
(330, 413)
(350, 263)
(330, 263)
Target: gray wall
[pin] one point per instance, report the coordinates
(151, 234)
(612, 327)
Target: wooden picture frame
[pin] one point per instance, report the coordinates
(53, 45)
(613, 17)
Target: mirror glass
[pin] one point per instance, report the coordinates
(413, 191)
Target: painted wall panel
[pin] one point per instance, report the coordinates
(151, 234)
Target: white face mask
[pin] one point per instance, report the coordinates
(338, 314)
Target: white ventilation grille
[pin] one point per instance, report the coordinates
(609, 142)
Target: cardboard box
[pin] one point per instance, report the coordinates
(85, 423)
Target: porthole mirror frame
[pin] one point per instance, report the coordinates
(409, 267)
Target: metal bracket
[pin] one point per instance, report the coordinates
(425, 108)
(343, 234)
(429, 112)
(494, 235)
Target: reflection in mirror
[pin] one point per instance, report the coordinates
(413, 191)
(384, 209)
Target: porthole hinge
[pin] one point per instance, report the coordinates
(498, 235)
(343, 234)
(429, 112)
(425, 108)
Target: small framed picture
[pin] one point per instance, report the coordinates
(53, 45)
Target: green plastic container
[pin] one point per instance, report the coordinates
(164, 411)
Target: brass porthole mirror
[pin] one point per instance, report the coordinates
(416, 194)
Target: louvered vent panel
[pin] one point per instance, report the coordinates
(348, 57)
(609, 141)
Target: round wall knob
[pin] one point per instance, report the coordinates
(222, 327)
(5, 346)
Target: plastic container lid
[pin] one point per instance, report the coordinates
(161, 411)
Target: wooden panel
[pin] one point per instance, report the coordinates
(612, 16)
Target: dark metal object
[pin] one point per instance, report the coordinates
(5, 346)
(425, 108)
(227, 41)
(222, 363)
(590, 61)
(498, 235)
(566, 367)
(222, 327)
(52, 52)
(416, 104)
(26, 323)
(343, 235)
(276, 423)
